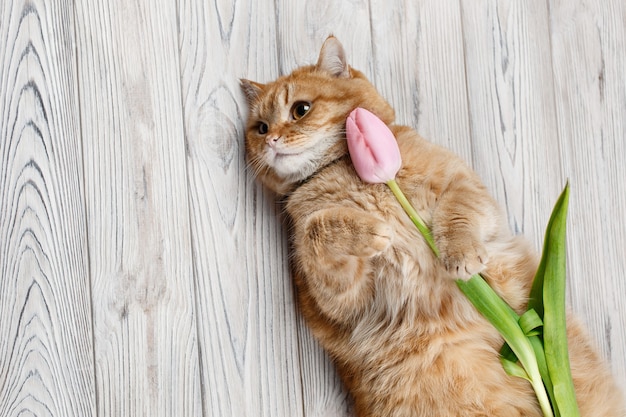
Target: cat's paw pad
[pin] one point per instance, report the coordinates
(464, 260)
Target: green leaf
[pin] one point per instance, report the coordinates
(530, 322)
(494, 309)
(514, 369)
(535, 300)
(505, 320)
(554, 321)
(507, 353)
(537, 345)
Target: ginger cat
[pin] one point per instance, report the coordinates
(405, 340)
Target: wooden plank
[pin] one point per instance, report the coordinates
(302, 29)
(521, 144)
(246, 310)
(348, 21)
(514, 132)
(137, 207)
(419, 68)
(46, 350)
(589, 55)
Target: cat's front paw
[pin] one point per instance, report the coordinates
(354, 235)
(463, 257)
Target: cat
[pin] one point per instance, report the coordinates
(405, 340)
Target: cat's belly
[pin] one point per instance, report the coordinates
(438, 375)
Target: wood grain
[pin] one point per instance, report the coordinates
(245, 310)
(589, 57)
(46, 362)
(146, 348)
(523, 137)
(303, 27)
(143, 271)
(350, 22)
(418, 49)
(515, 142)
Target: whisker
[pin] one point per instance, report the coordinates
(254, 167)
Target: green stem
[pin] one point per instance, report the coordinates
(506, 321)
(415, 218)
(540, 354)
(491, 306)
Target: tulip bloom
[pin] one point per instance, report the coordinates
(376, 158)
(373, 147)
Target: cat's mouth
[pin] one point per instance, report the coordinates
(282, 155)
(300, 160)
(287, 163)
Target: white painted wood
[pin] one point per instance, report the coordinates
(302, 28)
(246, 313)
(46, 351)
(511, 103)
(418, 47)
(527, 142)
(122, 167)
(146, 349)
(589, 67)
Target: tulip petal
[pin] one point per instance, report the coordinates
(372, 146)
(361, 154)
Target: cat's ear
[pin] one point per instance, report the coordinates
(251, 90)
(332, 59)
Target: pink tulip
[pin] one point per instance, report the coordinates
(372, 146)
(376, 158)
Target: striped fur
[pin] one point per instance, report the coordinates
(405, 340)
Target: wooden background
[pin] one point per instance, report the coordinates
(142, 270)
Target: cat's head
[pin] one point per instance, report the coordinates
(297, 124)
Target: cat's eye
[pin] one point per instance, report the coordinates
(300, 109)
(263, 128)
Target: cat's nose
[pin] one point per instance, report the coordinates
(272, 139)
